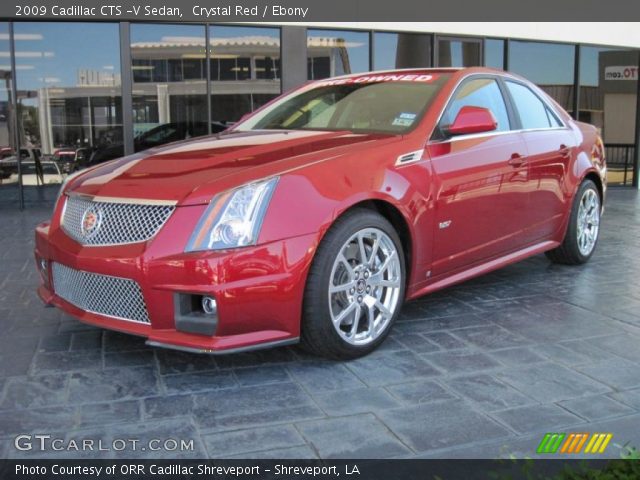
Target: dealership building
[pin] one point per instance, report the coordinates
(79, 86)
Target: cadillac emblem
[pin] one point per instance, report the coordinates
(91, 221)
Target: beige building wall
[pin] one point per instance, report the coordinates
(619, 118)
(618, 34)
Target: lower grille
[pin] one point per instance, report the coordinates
(111, 296)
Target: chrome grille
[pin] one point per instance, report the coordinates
(116, 223)
(112, 296)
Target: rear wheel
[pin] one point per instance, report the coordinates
(355, 288)
(584, 227)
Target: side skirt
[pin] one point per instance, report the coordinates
(484, 268)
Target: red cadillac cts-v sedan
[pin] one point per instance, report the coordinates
(316, 217)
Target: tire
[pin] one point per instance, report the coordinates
(576, 248)
(367, 289)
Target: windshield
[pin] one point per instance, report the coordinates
(386, 106)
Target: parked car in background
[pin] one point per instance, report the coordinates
(66, 159)
(7, 168)
(72, 159)
(50, 174)
(8, 175)
(160, 135)
(316, 217)
(5, 152)
(26, 154)
(9, 162)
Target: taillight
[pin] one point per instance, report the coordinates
(598, 152)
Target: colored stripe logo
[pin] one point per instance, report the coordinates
(574, 442)
(550, 442)
(598, 443)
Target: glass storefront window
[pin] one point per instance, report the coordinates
(548, 65)
(245, 71)
(169, 89)
(8, 164)
(608, 99)
(336, 52)
(494, 53)
(69, 100)
(459, 52)
(401, 50)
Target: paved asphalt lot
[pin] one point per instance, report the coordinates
(480, 370)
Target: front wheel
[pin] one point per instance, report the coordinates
(584, 227)
(355, 288)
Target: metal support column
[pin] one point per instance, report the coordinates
(15, 120)
(505, 56)
(293, 47)
(207, 56)
(126, 86)
(576, 82)
(636, 162)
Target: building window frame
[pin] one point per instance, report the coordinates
(126, 70)
(435, 46)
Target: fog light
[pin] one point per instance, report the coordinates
(195, 313)
(209, 305)
(43, 268)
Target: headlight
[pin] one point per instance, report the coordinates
(64, 184)
(233, 219)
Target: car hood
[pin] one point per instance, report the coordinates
(191, 172)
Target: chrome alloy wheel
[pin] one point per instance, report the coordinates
(588, 221)
(365, 286)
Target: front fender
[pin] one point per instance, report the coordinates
(309, 201)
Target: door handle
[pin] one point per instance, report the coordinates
(564, 151)
(517, 160)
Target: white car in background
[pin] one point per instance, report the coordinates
(51, 174)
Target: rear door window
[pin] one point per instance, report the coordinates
(532, 111)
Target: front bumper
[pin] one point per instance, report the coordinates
(258, 289)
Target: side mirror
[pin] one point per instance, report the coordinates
(472, 120)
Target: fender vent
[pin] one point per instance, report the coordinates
(410, 157)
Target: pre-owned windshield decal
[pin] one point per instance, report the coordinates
(378, 78)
